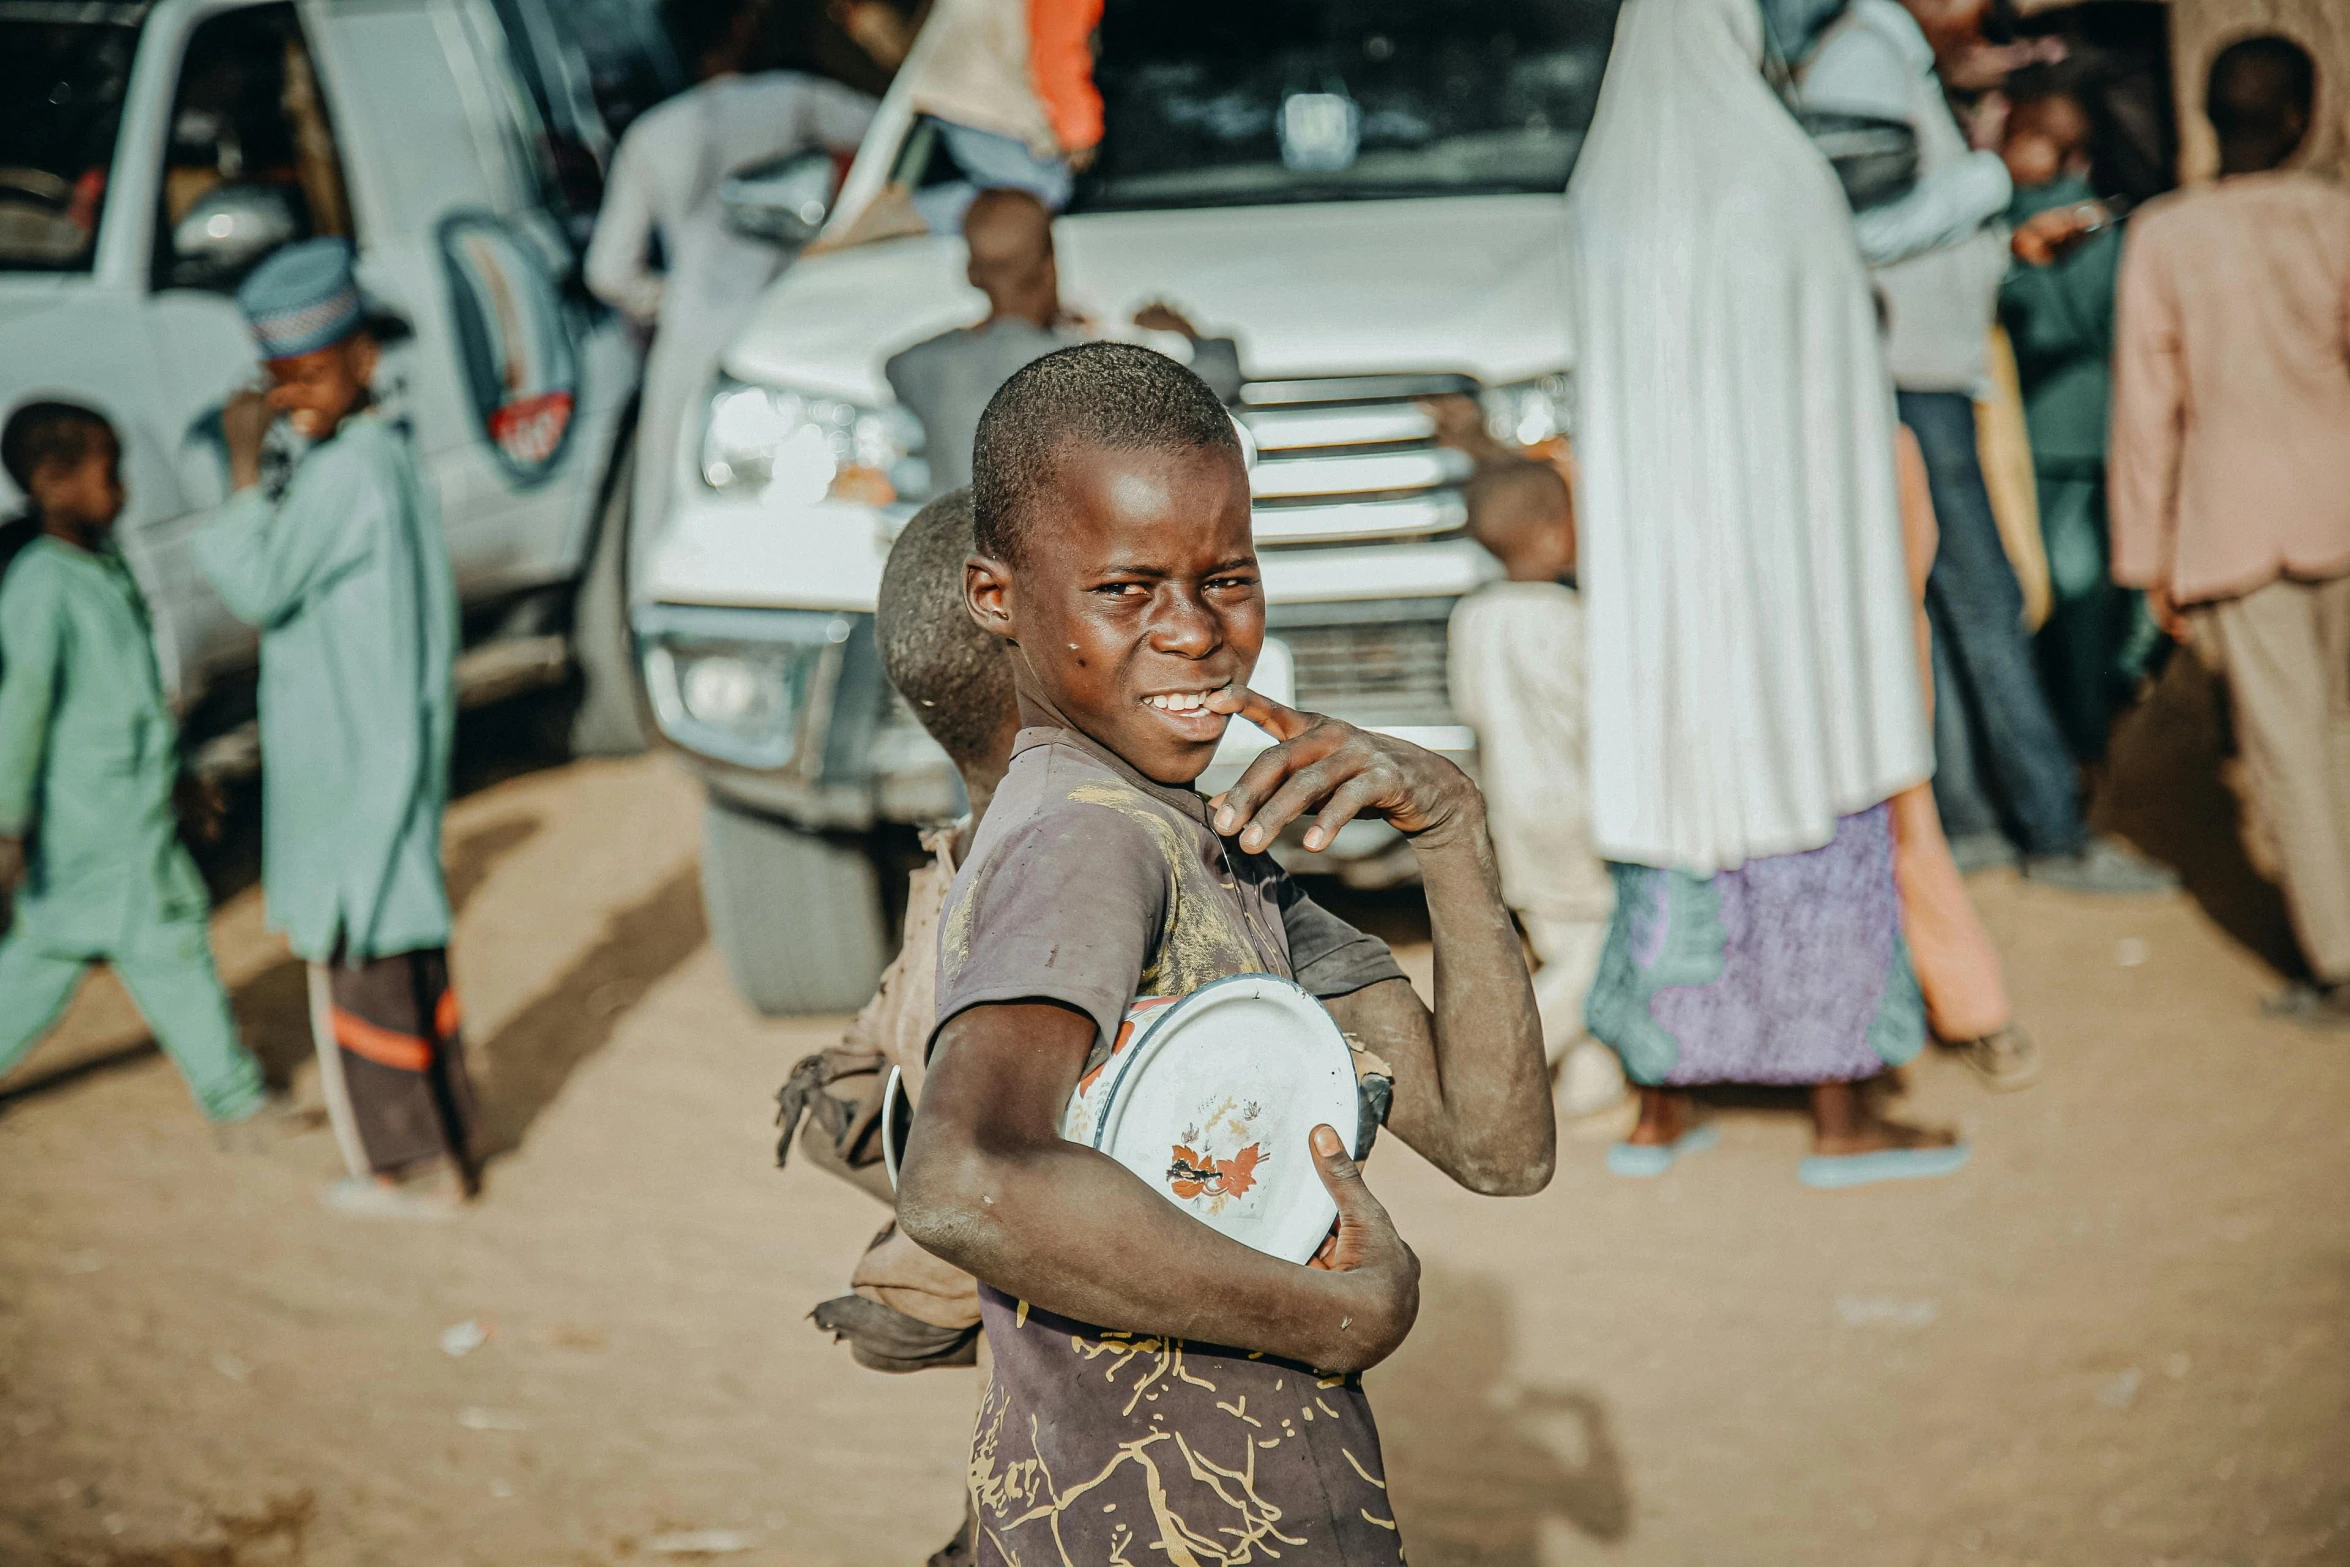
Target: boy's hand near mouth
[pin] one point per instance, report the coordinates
(1471, 1090)
(1345, 771)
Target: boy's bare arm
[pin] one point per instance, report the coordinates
(1472, 1092)
(990, 1185)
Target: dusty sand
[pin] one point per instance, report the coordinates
(2119, 1337)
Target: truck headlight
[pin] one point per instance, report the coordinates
(800, 447)
(1530, 413)
(735, 684)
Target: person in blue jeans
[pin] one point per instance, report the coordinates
(1998, 718)
(2004, 778)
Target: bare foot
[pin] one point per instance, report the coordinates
(1664, 1117)
(1843, 1122)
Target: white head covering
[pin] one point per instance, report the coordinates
(1754, 668)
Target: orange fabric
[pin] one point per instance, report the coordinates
(402, 1052)
(2003, 447)
(1957, 967)
(1060, 62)
(445, 1017)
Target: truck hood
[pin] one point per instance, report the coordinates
(1474, 284)
(23, 293)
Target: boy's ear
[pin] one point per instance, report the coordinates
(365, 355)
(987, 594)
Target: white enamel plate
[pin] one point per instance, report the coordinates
(1209, 1100)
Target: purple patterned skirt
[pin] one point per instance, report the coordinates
(1790, 969)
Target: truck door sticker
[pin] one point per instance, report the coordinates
(513, 344)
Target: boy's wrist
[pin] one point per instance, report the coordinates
(1461, 826)
(1360, 1329)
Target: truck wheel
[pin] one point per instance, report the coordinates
(798, 915)
(610, 719)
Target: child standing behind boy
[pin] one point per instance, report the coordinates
(1516, 673)
(349, 580)
(89, 766)
(1154, 1393)
(909, 1311)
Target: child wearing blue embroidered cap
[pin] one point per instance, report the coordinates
(349, 580)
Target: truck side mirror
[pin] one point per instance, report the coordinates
(227, 232)
(784, 201)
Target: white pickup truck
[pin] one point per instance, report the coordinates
(1369, 197)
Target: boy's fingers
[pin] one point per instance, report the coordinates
(1347, 802)
(1298, 794)
(1262, 778)
(1282, 723)
(1325, 1256)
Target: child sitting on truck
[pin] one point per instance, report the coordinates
(947, 380)
(1158, 1387)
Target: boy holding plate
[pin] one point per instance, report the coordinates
(1157, 1386)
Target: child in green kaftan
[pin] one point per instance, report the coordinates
(348, 578)
(89, 764)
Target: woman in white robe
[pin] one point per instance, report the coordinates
(1754, 690)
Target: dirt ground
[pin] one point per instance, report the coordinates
(2118, 1337)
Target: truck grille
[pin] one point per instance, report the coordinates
(1351, 458)
(1377, 664)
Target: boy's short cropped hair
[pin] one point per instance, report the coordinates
(956, 677)
(48, 431)
(2255, 82)
(1102, 394)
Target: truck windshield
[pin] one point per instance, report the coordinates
(1239, 102)
(63, 68)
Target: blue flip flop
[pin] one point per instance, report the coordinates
(1653, 1159)
(1838, 1172)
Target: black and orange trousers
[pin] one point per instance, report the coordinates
(391, 1058)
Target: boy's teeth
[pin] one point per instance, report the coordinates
(1177, 701)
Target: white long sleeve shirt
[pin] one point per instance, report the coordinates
(666, 176)
(1938, 252)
